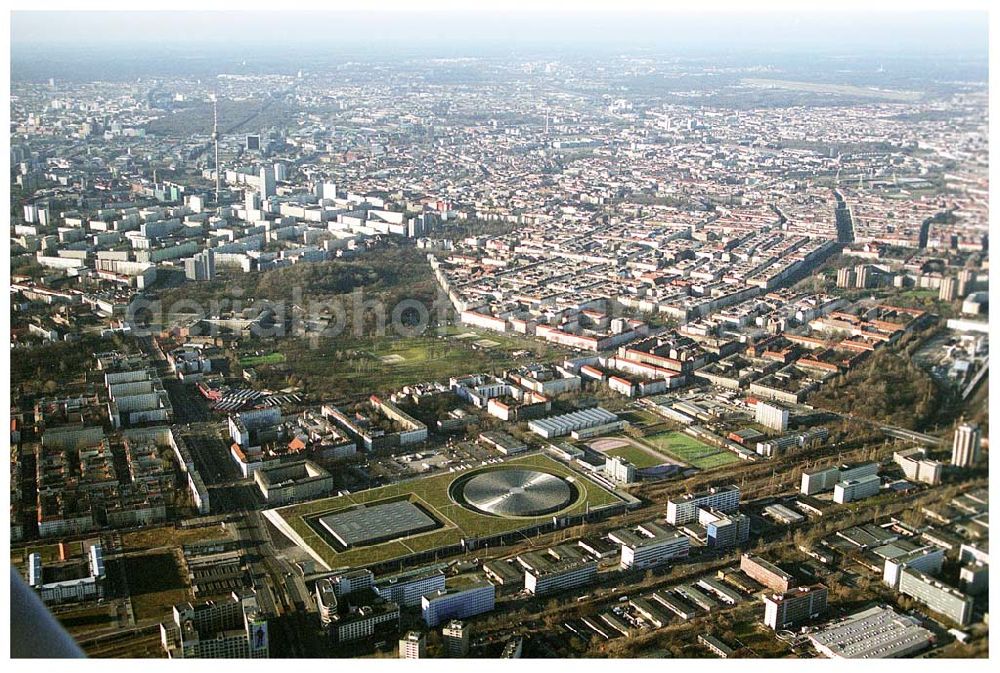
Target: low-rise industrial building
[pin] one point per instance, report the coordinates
(875, 633)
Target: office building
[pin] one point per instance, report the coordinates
(413, 646)
(974, 578)
(787, 610)
(938, 597)
(620, 470)
(771, 415)
(466, 600)
(917, 467)
(349, 582)
(685, 509)
(724, 529)
(875, 633)
(233, 628)
(456, 639)
(926, 559)
(856, 489)
(766, 573)
(408, 588)
(358, 622)
(648, 545)
(965, 447)
(544, 574)
(825, 479)
(817, 481)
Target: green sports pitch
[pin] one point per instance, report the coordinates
(689, 450)
(433, 495)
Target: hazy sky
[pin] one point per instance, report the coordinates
(885, 31)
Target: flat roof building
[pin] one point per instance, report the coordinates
(927, 559)
(456, 639)
(939, 597)
(875, 633)
(467, 600)
(856, 489)
(783, 611)
(766, 573)
(367, 525)
(685, 509)
(553, 570)
(648, 545)
(408, 588)
(413, 646)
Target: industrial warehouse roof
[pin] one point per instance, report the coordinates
(576, 419)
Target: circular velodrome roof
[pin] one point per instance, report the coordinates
(517, 493)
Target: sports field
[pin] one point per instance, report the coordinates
(689, 450)
(641, 459)
(432, 493)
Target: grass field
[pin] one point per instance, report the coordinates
(689, 450)
(839, 89)
(269, 359)
(433, 494)
(352, 365)
(168, 536)
(641, 459)
(155, 584)
(640, 417)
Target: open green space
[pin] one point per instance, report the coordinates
(689, 450)
(155, 584)
(432, 493)
(349, 365)
(641, 459)
(168, 536)
(269, 359)
(640, 417)
(839, 89)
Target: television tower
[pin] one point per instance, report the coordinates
(215, 139)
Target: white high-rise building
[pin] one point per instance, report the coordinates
(965, 448)
(772, 416)
(685, 509)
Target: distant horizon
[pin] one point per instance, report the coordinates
(961, 32)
